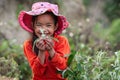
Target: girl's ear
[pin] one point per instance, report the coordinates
(56, 27)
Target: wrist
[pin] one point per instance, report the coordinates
(41, 56)
(52, 53)
(40, 53)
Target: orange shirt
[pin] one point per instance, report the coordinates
(48, 70)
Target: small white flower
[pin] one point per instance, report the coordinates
(1, 23)
(64, 31)
(71, 34)
(79, 24)
(116, 53)
(82, 45)
(88, 20)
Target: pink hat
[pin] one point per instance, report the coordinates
(25, 18)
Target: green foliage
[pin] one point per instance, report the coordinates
(99, 30)
(3, 46)
(19, 8)
(113, 34)
(71, 58)
(13, 56)
(90, 64)
(59, 2)
(112, 9)
(9, 67)
(86, 2)
(100, 66)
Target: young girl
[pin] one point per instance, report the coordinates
(46, 50)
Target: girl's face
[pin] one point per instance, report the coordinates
(46, 22)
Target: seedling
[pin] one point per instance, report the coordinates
(42, 32)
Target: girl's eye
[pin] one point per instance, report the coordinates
(38, 25)
(49, 25)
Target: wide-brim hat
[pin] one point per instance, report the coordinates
(25, 18)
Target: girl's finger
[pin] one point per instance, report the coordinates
(48, 47)
(49, 42)
(40, 44)
(42, 47)
(49, 39)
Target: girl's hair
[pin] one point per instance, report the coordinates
(34, 36)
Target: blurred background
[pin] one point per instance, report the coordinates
(94, 30)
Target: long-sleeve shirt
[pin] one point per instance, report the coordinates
(48, 70)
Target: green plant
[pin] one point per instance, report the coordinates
(9, 67)
(86, 2)
(19, 8)
(100, 66)
(74, 67)
(14, 52)
(114, 33)
(111, 9)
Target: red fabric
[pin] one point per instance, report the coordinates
(48, 71)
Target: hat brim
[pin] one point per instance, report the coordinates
(25, 21)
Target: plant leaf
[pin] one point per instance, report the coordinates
(71, 57)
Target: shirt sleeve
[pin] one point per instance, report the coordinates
(36, 66)
(62, 49)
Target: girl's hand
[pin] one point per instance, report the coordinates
(49, 46)
(44, 44)
(40, 44)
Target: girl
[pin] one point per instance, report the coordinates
(46, 50)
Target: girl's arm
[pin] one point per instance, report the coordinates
(34, 61)
(61, 50)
